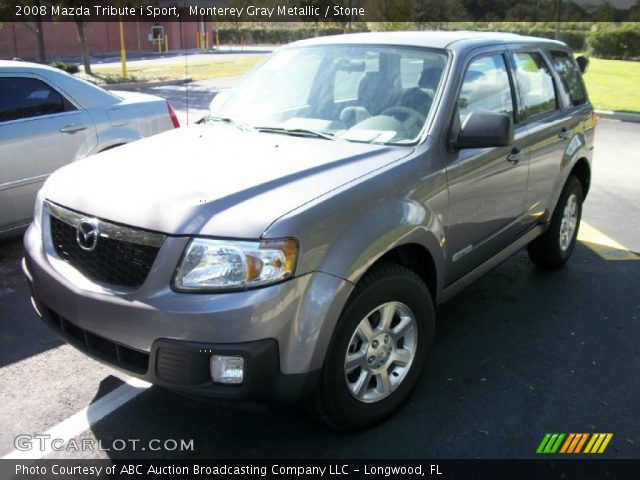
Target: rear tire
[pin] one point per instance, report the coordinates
(377, 351)
(551, 250)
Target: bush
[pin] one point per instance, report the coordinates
(573, 34)
(275, 35)
(619, 43)
(67, 67)
(577, 40)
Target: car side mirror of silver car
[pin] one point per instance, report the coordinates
(485, 129)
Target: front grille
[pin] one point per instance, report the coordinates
(118, 355)
(122, 256)
(180, 366)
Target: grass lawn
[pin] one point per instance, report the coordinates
(197, 70)
(614, 84)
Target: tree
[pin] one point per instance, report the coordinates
(81, 26)
(323, 6)
(634, 13)
(605, 13)
(437, 12)
(35, 27)
(390, 12)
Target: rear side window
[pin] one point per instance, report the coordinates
(485, 88)
(536, 83)
(566, 66)
(23, 97)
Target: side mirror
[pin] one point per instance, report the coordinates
(583, 63)
(485, 129)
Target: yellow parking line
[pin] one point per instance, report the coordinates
(602, 245)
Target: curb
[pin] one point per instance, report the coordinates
(136, 85)
(622, 116)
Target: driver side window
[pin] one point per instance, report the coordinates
(485, 88)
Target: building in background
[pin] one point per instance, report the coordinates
(19, 39)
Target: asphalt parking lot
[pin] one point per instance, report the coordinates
(518, 354)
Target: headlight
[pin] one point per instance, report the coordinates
(37, 211)
(231, 265)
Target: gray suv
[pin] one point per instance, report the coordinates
(292, 245)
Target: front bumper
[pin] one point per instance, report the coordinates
(184, 366)
(159, 335)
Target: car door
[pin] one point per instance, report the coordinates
(487, 186)
(41, 129)
(549, 125)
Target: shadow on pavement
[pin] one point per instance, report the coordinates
(22, 334)
(519, 353)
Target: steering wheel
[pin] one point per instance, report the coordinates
(411, 119)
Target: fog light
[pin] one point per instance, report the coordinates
(228, 370)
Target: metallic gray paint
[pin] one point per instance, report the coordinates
(348, 204)
(215, 179)
(291, 312)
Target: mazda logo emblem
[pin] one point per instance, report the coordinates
(87, 233)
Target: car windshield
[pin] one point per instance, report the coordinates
(365, 93)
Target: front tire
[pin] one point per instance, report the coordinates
(378, 349)
(551, 250)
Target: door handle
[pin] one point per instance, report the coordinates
(515, 156)
(72, 128)
(564, 134)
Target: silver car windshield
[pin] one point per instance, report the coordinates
(364, 93)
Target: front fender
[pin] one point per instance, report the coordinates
(351, 255)
(379, 231)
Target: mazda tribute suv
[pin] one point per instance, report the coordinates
(291, 245)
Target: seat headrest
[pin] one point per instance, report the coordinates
(430, 77)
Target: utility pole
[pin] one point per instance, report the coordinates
(558, 19)
(123, 51)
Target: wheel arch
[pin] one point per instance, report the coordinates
(582, 171)
(416, 258)
(112, 146)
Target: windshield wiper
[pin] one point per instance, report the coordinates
(227, 120)
(297, 131)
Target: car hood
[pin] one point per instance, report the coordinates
(212, 180)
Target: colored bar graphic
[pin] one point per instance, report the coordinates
(543, 443)
(566, 445)
(594, 437)
(550, 443)
(581, 443)
(605, 443)
(596, 445)
(574, 443)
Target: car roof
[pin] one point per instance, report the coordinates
(460, 39)
(22, 66)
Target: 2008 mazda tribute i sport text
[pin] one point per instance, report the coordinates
(291, 246)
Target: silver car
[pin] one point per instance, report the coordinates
(293, 244)
(49, 118)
